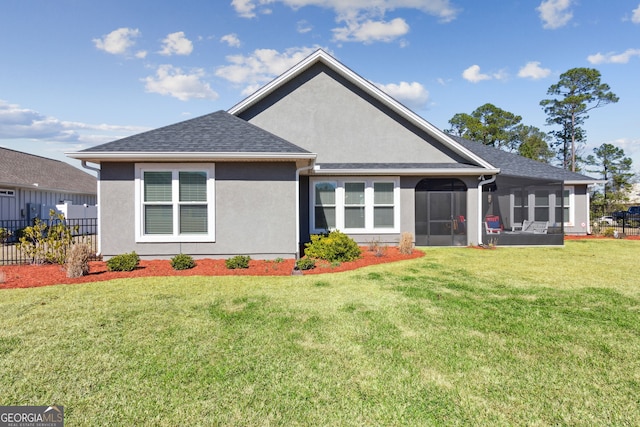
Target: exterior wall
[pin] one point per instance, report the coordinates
(407, 212)
(327, 115)
(254, 213)
(15, 207)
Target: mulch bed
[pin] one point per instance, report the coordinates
(29, 276)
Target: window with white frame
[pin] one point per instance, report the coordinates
(174, 203)
(356, 206)
(7, 193)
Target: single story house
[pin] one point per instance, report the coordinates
(321, 148)
(31, 185)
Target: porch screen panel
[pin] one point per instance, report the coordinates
(325, 205)
(354, 205)
(541, 205)
(158, 215)
(520, 206)
(563, 206)
(383, 205)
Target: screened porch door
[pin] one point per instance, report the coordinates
(441, 207)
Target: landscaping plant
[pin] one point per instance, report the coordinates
(238, 261)
(77, 264)
(182, 262)
(124, 262)
(47, 242)
(332, 247)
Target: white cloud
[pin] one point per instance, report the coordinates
(118, 41)
(613, 58)
(440, 8)
(413, 95)
(363, 20)
(172, 81)
(231, 40)
(555, 13)
(261, 66)
(371, 31)
(176, 44)
(23, 123)
(304, 27)
(635, 15)
(474, 75)
(533, 70)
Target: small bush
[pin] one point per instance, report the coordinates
(78, 260)
(405, 246)
(333, 247)
(306, 264)
(124, 262)
(4, 235)
(182, 262)
(238, 261)
(608, 232)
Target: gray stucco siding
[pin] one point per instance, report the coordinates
(325, 114)
(254, 213)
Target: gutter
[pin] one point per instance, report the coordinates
(97, 170)
(481, 184)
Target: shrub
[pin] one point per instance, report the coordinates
(608, 232)
(306, 264)
(4, 234)
(78, 260)
(238, 261)
(405, 246)
(47, 242)
(182, 262)
(124, 262)
(332, 247)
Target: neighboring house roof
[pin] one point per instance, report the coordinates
(18, 169)
(511, 164)
(212, 136)
(320, 56)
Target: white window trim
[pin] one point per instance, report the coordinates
(369, 204)
(572, 205)
(140, 168)
(5, 192)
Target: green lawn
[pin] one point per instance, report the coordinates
(512, 336)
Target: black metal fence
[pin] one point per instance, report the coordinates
(84, 230)
(622, 223)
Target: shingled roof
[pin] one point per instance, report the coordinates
(511, 164)
(218, 132)
(18, 169)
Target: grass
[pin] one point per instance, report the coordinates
(513, 336)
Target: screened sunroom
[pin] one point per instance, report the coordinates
(525, 211)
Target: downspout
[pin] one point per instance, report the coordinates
(97, 170)
(305, 168)
(481, 184)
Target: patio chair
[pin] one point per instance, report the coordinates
(492, 224)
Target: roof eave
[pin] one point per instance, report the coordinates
(410, 171)
(98, 157)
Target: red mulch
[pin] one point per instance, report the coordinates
(29, 276)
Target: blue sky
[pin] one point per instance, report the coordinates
(74, 74)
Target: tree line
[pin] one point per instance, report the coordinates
(577, 92)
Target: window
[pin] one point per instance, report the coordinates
(520, 206)
(7, 193)
(325, 206)
(564, 206)
(174, 203)
(356, 206)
